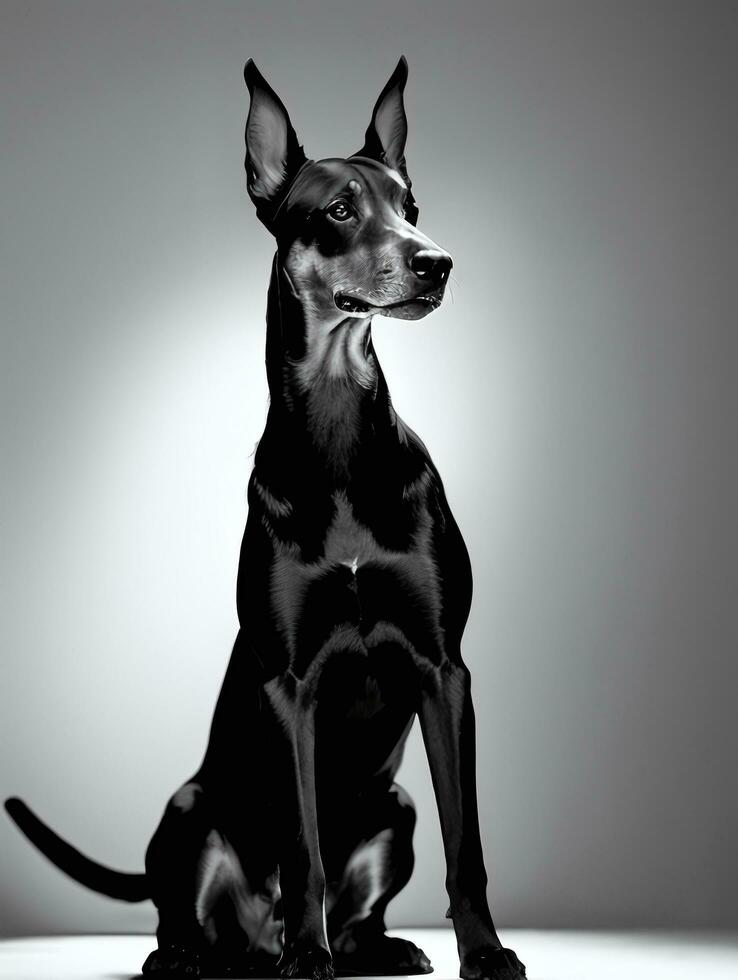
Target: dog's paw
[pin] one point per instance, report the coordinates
(306, 962)
(382, 956)
(492, 964)
(173, 961)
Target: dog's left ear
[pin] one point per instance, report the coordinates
(273, 153)
(387, 132)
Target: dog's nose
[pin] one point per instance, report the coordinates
(431, 264)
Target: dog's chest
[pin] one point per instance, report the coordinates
(357, 595)
(347, 542)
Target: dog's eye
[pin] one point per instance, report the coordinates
(339, 211)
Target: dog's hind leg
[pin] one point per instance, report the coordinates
(173, 861)
(378, 867)
(241, 917)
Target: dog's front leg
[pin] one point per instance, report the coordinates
(447, 721)
(302, 879)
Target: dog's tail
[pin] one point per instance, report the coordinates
(115, 884)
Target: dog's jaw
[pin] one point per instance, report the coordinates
(411, 308)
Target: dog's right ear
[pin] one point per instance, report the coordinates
(386, 134)
(273, 154)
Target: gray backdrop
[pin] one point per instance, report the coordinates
(576, 390)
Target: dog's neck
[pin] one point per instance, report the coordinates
(324, 376)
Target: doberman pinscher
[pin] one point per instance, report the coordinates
(282, 852)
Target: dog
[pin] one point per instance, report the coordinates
(281, 853)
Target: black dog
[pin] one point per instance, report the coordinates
(354, 587)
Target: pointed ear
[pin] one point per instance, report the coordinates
(273, 154)
(387, 132)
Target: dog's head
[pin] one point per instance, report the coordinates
(345, 228)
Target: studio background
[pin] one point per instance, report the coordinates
(576, 391)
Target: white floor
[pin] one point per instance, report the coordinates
(547, 955)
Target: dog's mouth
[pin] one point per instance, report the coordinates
(412, 308)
